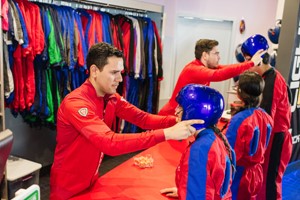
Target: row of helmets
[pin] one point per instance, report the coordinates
(273, 35)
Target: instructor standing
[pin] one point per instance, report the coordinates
(205, 69)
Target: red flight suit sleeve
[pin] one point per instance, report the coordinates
(223, 72)
(94, 129)
(142, 119)
(281, 108)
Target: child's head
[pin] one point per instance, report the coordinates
(200, 102)
(250, 88)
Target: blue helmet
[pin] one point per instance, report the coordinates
(253, 44)
(201, 102)
(273, 33)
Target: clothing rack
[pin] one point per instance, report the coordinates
(125, 7)
(95, 5)
(145, 74)
(25, 135)
(130, 7)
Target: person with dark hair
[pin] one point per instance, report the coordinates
(205, 69)
(207, 166)
(248, 133)
(276, 102)
(84, 125)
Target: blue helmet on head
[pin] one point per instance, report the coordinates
(201, 102)
(253, 44)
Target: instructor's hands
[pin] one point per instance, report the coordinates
(256, 58)
(181, 130)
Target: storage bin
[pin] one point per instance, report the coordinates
(21, 173)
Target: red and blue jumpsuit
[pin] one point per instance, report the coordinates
(196, 72)
(249, 133)
(205, 170)
(84, 135)
(276, 102)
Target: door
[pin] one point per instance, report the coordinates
(191, 29)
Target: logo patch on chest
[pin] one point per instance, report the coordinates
(83, 112)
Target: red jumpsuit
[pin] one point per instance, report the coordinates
(23, 67)
(84, 135)
(276, 103)
(249, 133)
(202, 169)
(196, 72)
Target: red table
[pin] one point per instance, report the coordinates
(127, 181)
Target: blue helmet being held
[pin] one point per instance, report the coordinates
(253, 44)
(201, 102)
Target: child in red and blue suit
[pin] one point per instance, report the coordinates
(207, 166)
(248, 133)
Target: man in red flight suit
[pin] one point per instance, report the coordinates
(84, 122)
(276, 103)
(205, 69)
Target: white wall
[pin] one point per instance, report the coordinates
(258, 15)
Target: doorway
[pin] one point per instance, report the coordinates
(191, 29)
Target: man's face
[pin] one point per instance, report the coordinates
(107, 80)
(213, 58)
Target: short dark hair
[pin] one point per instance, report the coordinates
(99, 53)
(250, 88)
(204, 45)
